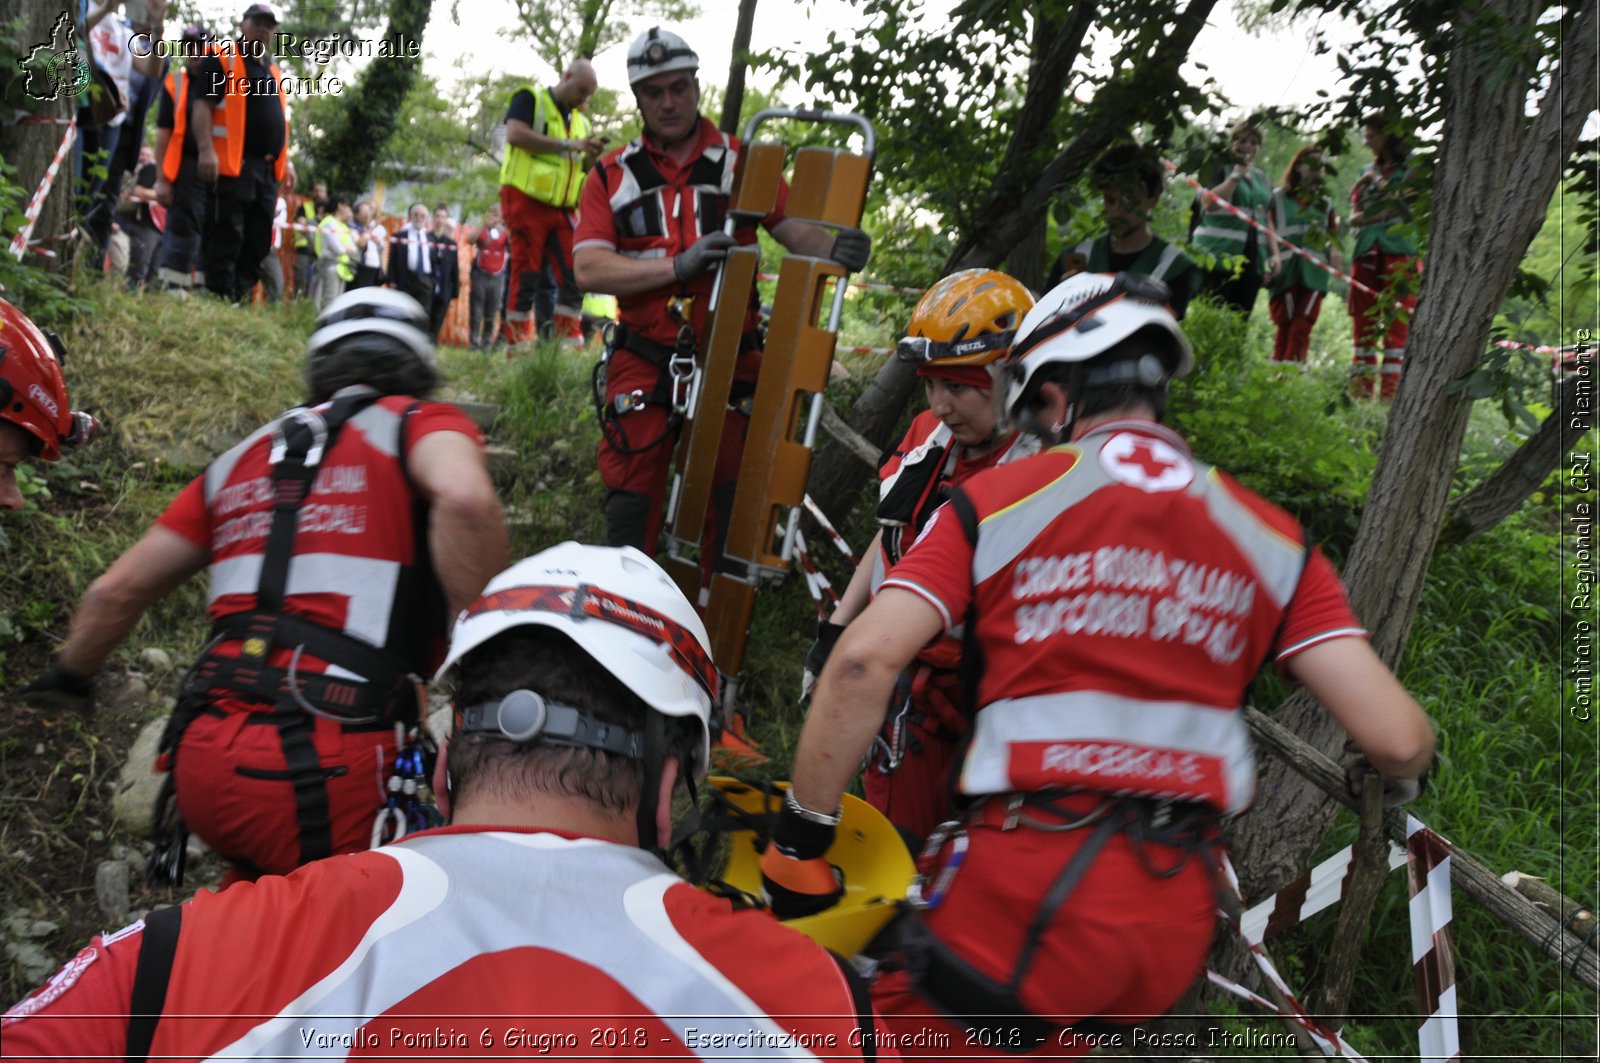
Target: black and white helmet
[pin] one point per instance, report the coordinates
(373, 336)
(659, 51)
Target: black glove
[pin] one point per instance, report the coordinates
(57, 688)
(827, 634)
(851, 248)
(796, 878)
(1396, 792)
(699, 257)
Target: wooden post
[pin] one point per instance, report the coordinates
(1369, 867)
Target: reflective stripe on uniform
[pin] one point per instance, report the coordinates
(1163, 743)
(425, 935)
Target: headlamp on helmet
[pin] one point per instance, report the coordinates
(659, 51)
(968, 318)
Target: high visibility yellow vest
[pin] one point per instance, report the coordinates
(550, 177)
(341, 264)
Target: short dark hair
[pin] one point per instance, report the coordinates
(551, 664)
(442, 206)
(1126, 162)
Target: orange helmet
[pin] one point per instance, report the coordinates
(969, 318)
(33, 395)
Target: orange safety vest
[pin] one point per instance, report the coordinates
(227, 136)
(178, 89)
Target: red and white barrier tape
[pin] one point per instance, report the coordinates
(1319, 889)
(26, 118)
(1245, 217)
(1427, 859)
(1328, 1040)
(1341, 1048)
(19, 243)
(816, 583)
(833, 533)
(1433, 957)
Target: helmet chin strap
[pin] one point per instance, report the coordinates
(655, 743)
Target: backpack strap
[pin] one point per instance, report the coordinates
(159, 946)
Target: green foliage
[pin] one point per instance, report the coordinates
(42, 294)
(360, 125)
(561, 33)
(1288, 435)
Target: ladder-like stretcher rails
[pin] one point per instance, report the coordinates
(829, 188)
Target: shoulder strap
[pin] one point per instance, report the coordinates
(292, 472)
(971, 654)
(862, 999)
(159, 945)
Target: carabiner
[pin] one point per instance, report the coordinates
(949, 831)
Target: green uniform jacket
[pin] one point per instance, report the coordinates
(1308, 225)
(1389, 211)
(1221, 232)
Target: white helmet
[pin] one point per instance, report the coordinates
(377, 312)
(659, 51)
(621, 609)
(1086, 315)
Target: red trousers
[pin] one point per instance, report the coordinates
(1381, 318)
(235, 793)
(540, 235)
(1294, 310)
(636, 451)
(1125, 946)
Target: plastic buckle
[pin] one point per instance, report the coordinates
(629, 401)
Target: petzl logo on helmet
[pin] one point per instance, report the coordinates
(54, 72)
(42, 397)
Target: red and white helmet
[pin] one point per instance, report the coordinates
(621, 609)
(33, 394)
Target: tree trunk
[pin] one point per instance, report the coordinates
(1485, 137)
(1015, 203)
(1502, 491)
(1026, 262)
(733, 102)
(30, 145)
(352, 148)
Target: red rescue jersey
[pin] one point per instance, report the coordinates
(1125, 595)
(912, 483)
(359, 564)
(493, 247)
(641, 202)
(464, 942)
